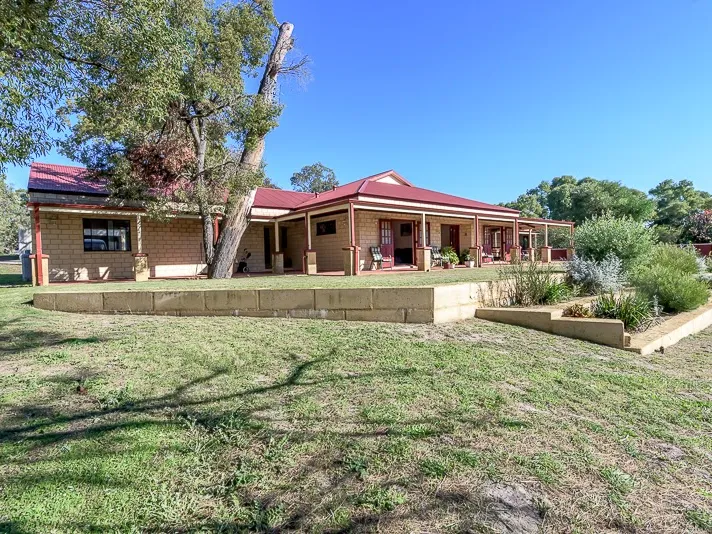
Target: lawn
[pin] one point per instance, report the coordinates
(139, 423)
(401, 279)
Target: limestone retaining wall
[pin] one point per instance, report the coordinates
(437, 304)
(602, 331)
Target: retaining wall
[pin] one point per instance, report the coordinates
(602, 331)
(437, 304)
(673, 330)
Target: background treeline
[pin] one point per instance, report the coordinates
(677, 212)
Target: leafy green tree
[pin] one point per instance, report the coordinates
(170, 118)
(533, 203)
(566, 198)
(675, 201)
(46, 52)
(529, 206)
(630, 240)
(268, 182)
(315, 178)
(13, 206)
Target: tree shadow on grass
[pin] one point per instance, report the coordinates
(248, 422)
(12, 280)
(15, 340)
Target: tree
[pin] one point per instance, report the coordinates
(315, 178)
(170, 120)
(529, 205)
(45, 57)
(698, 226)
(13, 206)
(566, 198)
(268, 182)
(675, 201)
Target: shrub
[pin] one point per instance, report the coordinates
(595, 277)
(528, 284)
(577, 310)
(557, 292)
(672, 275)
(675, 291)
(633, 309)
(682, 259)
(631, 241)
(450, 256)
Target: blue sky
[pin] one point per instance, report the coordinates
(485, 99)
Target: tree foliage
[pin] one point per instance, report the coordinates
(13, 206)
(566, 198)
(315, 178)
(676, 200)
(698, 226)
(154, 91)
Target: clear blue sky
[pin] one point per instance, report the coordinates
(485, 99)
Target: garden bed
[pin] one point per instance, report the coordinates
(671, 330)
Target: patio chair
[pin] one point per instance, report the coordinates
(379, 260)
(436, 257)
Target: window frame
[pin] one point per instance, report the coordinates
(327, 225)
(91, 223)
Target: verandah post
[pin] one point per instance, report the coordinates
(277, 257)
(423, 259)
(141, 268)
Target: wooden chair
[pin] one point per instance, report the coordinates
(379, 259)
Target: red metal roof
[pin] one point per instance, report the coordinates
(64, 179)
(370, 186)
(71, 179)
(279, 198)
(417, 194)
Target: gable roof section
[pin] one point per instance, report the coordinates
(48, 177)
(372, 186)
(267, 197)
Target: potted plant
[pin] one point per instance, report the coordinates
(450, 258)
(467, 259)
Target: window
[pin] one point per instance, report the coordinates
(326, 227)
(386, 232)
(107, 234)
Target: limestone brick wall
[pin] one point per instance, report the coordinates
(367, 231)
(174, 247)
(329, 248)
(253, 241)
(63, 240)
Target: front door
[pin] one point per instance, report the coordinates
(386, 237)
(455, 237)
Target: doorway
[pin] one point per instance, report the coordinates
(267, 248)
(403, 242)
(450, 236)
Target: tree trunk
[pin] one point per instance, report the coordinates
(238, 208)
(200, 142)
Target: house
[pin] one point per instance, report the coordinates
(81, 234)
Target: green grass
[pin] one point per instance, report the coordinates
(139, 423)
(407, 279)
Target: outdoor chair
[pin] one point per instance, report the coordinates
(436, 257)
(379, 261)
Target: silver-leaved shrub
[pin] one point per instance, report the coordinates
(596, 277)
